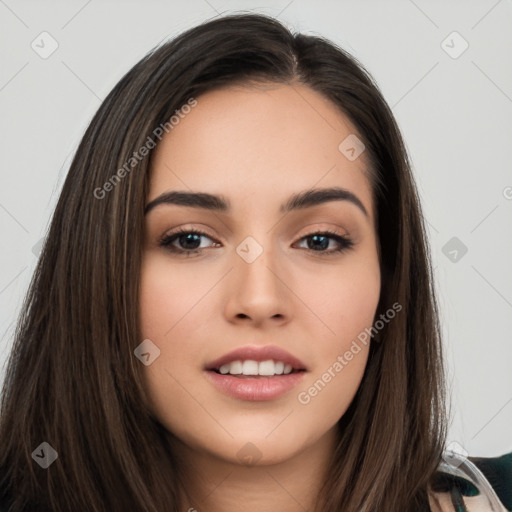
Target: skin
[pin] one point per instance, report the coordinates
(256, 145)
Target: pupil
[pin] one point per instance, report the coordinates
(325, 245)
(187, 238)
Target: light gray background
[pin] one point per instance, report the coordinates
(455, 115)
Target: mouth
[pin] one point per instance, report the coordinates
(256, 373)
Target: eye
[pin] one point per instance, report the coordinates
(320, 240)
(188, 237)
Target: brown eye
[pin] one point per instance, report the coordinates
(188, 239)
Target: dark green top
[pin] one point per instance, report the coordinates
(475, 483)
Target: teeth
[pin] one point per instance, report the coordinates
(224, 369)
(266, 368)
(236, 368)
(251, 367)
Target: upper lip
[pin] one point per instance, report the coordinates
(254, 353)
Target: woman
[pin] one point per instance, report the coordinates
(290, 357)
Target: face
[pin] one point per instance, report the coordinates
(253, 281)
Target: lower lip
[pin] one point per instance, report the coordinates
(253, 388)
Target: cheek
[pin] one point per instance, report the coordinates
(345, 299)
(165, 297)
(168, 315)
(346, 305)
(152, 299)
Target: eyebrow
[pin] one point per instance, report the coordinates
(298, 201)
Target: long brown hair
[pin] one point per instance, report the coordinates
(72, 379)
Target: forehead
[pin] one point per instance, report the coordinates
(259, 141)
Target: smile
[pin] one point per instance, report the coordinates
(255, 373)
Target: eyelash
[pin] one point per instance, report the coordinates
(344, 242)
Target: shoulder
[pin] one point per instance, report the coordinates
(472, 484)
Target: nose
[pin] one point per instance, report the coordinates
(257, 291)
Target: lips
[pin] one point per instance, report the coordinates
(245, 373)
